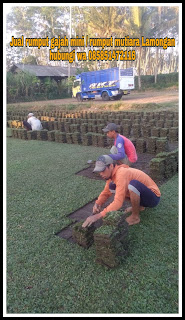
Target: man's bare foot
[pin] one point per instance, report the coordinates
(132, 220)
(141, 208)
(129, 209)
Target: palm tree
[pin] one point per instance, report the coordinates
(166, 24)
(104, 22)
(140, 25)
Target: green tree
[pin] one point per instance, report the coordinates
(36, 22)
(21, 86)
(140, 25)
(165, 24)
(106, 21)
(54, 21)
(30, 60)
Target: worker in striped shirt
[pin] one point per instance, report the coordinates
(123, 150)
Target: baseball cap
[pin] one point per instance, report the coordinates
(102, 162)
(110, 127)
(30, 114)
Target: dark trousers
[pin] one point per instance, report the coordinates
(147, 197)
(27, 125)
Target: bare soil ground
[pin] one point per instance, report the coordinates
(135, 97)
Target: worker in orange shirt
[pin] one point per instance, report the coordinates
(129, 183)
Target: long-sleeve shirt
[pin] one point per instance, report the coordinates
(35, 123)
(124, 147)
(121, 176)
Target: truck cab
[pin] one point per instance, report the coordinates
(76, 87)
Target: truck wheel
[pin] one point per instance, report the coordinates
(118, 97)
(79, 98)
(105, 96)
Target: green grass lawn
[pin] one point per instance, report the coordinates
(47, 274)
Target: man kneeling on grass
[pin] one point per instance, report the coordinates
(127, 183)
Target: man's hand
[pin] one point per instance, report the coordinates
(91, 220)
(96, 208)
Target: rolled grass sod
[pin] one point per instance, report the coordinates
(49, 275)
(111, 240)
(83, 236)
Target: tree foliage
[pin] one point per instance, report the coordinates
(24, 86)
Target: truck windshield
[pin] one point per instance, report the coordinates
(76, 83)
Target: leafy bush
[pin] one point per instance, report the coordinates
(163, 80)
(27, 87)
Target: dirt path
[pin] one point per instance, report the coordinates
(149, 96)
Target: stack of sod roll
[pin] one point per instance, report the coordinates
(111, 240)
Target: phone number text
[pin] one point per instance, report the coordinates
(111, 55)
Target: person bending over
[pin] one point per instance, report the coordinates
(32, 123)
(127, 183)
